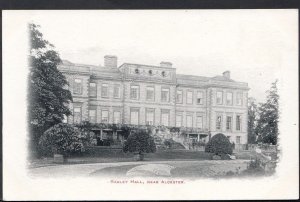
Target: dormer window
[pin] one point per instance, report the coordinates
(137, 71)
(163, 73)
(150, 72)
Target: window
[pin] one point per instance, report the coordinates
(229, 98)
(149, 116)
(104, 116)
(77, 86)
(150, 93)
(165, 94)
(65, 119)
(189, 121)
(93, 90)
(219, 123)
(165, 118)
(189, 97)
(219, 97)
(228, 122)
(200, 97)
(104, 90)
(238, 139)
(77, 114)
(134, 116)
(239, 99)
(238, 122)
(179, 96)
(134, 92)
(92, 115)
(117, 91)
(199, 122)
(117, 117)
(178, 120)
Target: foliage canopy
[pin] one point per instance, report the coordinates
(48, 96)
(219, 144)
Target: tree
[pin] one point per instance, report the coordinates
(267, 125)
(219, 144)
(62, 139)
(139, 142)
(48, 97)
(252, 120)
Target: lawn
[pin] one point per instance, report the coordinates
(165, 155)
(107, 157)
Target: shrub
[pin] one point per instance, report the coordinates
(168, 143)
(199, 144)
(61, 139)
(139, 141)
(255, 167)
(219, 144)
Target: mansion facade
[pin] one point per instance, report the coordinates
(155, 95)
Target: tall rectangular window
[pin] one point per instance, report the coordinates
(117, 117)
(134, 116)
(134, 92)
(228, 122)
(178, 120)
(219, 97)
(219, 122)
(65, 119)
(165, 94)
(179, 96)
(104, 116)
(238, 122)
(189, 121)
(149, 116)
(238, 140)
(77, 114)
(93, 90)
(150, 93)
(77, 88)
(228, 98)
(104, 90)
(117, 91)
(239, 99)
(189, 97)
(165, 116)
(200, 97)
(199, 122)
(92, 115)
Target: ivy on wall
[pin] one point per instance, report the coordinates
(126, 128)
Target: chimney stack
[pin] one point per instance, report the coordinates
(110, 61)
(226, 74)
(166, 64)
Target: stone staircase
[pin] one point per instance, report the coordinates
(176, 142)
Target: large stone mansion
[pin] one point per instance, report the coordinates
(155, 95)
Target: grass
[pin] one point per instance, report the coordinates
(109, 157)
(163, 155)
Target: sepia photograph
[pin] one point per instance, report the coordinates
(179, 102)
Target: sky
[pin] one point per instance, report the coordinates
(254, 45)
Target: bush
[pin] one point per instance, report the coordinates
(139, 141)
(255, 167)
(61, 139)
(219, 144)
(168, 143)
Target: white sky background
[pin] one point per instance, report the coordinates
(253, 44)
